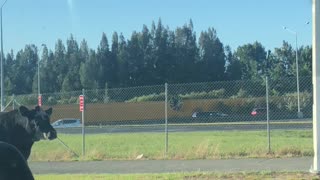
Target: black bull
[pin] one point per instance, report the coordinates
(13, 165)
(23, 127)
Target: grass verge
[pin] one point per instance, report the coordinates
(188, 145)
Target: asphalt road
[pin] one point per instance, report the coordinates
(171, 166)
(288, 125)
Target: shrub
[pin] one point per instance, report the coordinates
(51, 101)
(175, 102)
(28, 99)
(150, 97)
(241, 94)
(94, 100)
(291, 101)
(63, 101)
(220, 93)
(73, 100)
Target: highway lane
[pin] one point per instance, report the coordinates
(190, 127)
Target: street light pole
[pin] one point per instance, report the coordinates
(2, 56)
(39, 72)
(297, 72)
(300, 114)
(39, 76)
(39, 92)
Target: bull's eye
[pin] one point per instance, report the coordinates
(32, 126)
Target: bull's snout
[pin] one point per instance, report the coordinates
(52, 135)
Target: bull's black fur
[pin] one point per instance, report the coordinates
(13, 165)
(23, 127)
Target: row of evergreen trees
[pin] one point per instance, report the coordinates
(150, 57)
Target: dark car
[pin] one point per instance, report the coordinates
(259, 111)
(208, 114)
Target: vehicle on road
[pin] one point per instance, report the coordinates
(208, 114)
(259, 111)
(67, 123)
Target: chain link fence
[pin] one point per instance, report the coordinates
(141, 113)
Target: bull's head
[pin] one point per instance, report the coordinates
(39, 122)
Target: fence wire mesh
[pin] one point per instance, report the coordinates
(192, 109)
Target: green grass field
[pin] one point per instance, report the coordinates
(189, 145)
(177, 176)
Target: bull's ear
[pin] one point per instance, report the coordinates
(24, 111)
(49, 111)
(37, 108)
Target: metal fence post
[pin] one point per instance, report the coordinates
(268, 119)
(166, 117)
(83, 125)
(13, 101)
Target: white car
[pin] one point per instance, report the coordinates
(67, 123)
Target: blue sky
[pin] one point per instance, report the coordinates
(237, 22)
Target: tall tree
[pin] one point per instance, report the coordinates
(135, 61)
(186, 53)
(74, 61)
(84, 51)
(145, 41)
(67, 84)
(170, 56)
(163, 55)
(60, 64)
(252, 58)
(305, 61)
(283, 62)
(233, 71)
(212, 56)
(24, 70)
(87, 72)
(9, 72)
(48, 74)
(107, 70)
(29, 60)
(114, 58)
(43, 68)
(123, 71)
